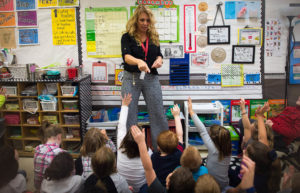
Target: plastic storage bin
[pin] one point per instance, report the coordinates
(49, 105)
(68, 90)
(12, 106)
(50, 118)
(12, 119)
(70, 104)
(71, 119)
(10, 90)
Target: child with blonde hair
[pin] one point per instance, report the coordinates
(192, 160)
(170, 146)
(93, 140)
(218, 143)
(51, 137)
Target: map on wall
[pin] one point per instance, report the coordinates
(104, 28)
(167, 22)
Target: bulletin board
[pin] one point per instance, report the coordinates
(167, 22)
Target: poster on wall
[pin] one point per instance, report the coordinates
(242, 9)
(232, 75)
(294, 65)
(63, 26)
(7, 19)
(250, 36)
(218, 34)
(172, 51)
(7, 38)
(243, 54)
(25, 4)
(68, 3)
(27, 18)
(99, 72)
(167, 22)
(104, 29)
(189, 28)
(200, 59)
(273, 38)
(46, 4)
(28, 37)
(7, 5)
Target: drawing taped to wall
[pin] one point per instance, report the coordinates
(242, 54)
(172, 51)
(200, 59)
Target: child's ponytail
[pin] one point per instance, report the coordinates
(221, 138)
(48, 130)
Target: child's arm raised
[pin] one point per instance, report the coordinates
(123, 118)
(262, 132)
(176, 114)
(201, 129)
(139, 138)
(245, 120)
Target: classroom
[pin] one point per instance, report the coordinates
(149, 96)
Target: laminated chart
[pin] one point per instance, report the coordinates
(104, 28)
(232, 75)
(167, 22)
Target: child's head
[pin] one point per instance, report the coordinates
(49, 130)
(266, 163)
(129, 146)
(93, 140)
(221, 138)
(181, 181)
(207, 184)
(191, 159)
(103, 164)
(61, 167)
(254, 133)
(8, 165)
(167, 141)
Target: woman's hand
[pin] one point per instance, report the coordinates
(269, 123)
(143, 66)
(158, 62)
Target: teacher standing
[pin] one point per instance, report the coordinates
(141, 53)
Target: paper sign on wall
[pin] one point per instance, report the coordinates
(7, 38)
(6, 5)
(63, 26)
(232, 75)
(28, 36)
(43, 3)
(27, 18)
(7, 19)
(25, 4)
(99, 72)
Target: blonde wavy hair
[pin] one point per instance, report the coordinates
(131, 26)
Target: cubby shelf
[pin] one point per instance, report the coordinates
(26, 134)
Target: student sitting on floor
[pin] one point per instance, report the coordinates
(192, 160)
(58, 176)
(93, 140)
(179, 181)
(218, 143)
(10, 180)
(170, 146)
(44, 153)
(286, 127)
(105, 178)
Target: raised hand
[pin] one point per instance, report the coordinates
(175, 110)
(242, 105)
(126, 100)
(190, 106)
(248, 171)
(137, 134)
